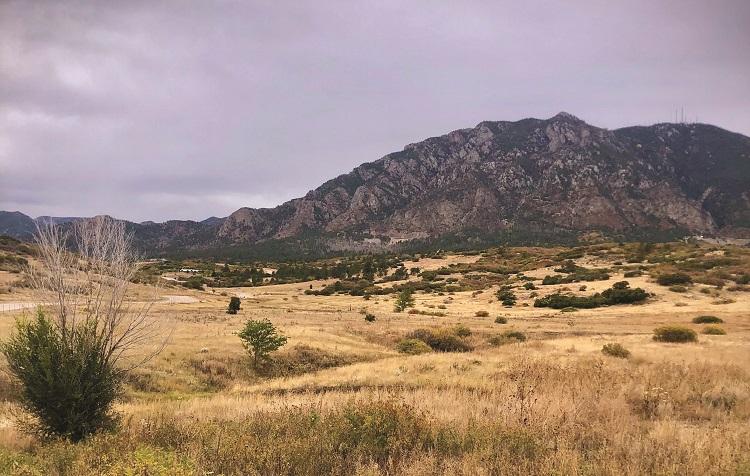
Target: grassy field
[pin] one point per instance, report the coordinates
(340, 399)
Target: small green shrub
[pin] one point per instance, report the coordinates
(68, 383)
(714, 331)
(517, 335)
(674, 334)
(482, 314)
(615, 350)
(260, 338)
(462, 331)
(441, 340)
(413, 347)
(530, 286)
(404, 300)
(707, 320)
(509, 337)
(194, 282)
(622, 293)
(674, 278)
(501, 320)
(678, 289)
(506, 297)
(370, 317)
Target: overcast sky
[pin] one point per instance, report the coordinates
(184, 110)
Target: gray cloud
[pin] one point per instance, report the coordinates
(192, 109)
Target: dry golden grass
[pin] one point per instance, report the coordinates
(551, 405)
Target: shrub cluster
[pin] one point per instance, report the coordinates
(444, 339)
(707, 320)
(412, 346)
(714, 331)
(506, 297)
(619, 293)
(671, 279)
(580, 274)
(674, 334)
(508, 337)
(616, 350)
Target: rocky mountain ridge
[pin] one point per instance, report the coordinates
(555, 174)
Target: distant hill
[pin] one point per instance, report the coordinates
(532, 178)
(16, 225)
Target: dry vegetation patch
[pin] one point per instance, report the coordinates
(446, 389)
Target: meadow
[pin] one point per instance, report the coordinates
(529, 392)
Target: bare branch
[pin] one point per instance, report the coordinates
(90, 287)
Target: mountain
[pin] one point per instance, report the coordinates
(17, 225)
(533, 177)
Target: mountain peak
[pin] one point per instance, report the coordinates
(565, 116)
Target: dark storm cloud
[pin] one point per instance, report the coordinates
(192, 109)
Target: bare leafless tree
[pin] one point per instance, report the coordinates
(84, 274)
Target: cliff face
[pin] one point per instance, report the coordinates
(559, 173)
(554, 174)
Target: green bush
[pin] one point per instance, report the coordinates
(370, 317)
(714, 331)
(707, 320)
(260, 338)
(194, 282)
(674, 278)
(561, 301)
(530, 286)
(412, 347)
(509, 337)
(441, 340)
(517, 335)
(482, 314)
(678, 289)
(501, 320)
(234, 305)
(462, 331)
(580, 274)
(674, 334)
(616, 350)
(622, 293)
(619, 293)
(550, 280)
(68, 383)
(506, 297)
(404, 300)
